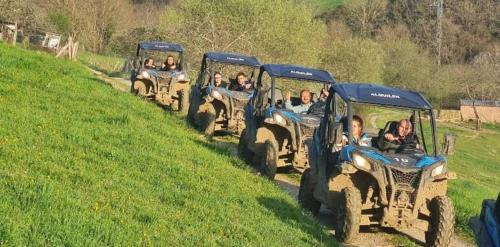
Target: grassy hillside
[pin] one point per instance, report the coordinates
(84, 165)
(476, 162)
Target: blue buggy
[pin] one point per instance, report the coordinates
(166, 87)
(274, 135)
(384, 184)
(219, 107)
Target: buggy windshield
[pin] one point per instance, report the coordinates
(390, 129)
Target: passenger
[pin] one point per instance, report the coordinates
(241, 83)
(218, 79)
(305, 102)
(149, 63)
(359, 137)
(169, 64)
(402, 134)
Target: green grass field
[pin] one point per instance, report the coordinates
(476, 162)
(82, 164)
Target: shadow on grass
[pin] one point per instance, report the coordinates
(293, 216)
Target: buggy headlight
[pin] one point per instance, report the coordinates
(361, 162)
(145, 74)
(181, 77)
(216, 94)
(279, 119)
(438, 170)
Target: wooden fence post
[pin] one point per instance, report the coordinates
(449, 144)
(14, 38)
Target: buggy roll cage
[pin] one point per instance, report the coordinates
(161, 47)
(370, 94)
(226, 58)
(293, 72)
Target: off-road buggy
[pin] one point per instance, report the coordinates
(165, 87)
(217, 107)
(487, 228)
(385, 185)
(275, 136)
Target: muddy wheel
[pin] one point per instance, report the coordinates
(269, 159)
(243, 150)
(140, 88)
(207, 120)
(442, 221)
(306, 190)
(183, 100)
(193, 108)
(348, 215)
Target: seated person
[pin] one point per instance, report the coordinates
(305, 102)
(359, 137)
(241, 83)
(402, 134)
(169, 64)
(218, 82)
(149, 63)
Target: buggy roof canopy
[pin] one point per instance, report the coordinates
(298, 72)
(380, 95)
(232, 58)
(159, 46)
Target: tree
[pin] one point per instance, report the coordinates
(365, 17)
(355, 59)
(274, 30)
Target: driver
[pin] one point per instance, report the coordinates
(402, 134)
(305, 102)
(169, 64)
(242, 84)
(149, 63)
(218, 79)
(359, 137)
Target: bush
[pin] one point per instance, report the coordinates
(274, 30)
(354, 59)
(406, 66)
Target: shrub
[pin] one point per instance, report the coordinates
(354, 59)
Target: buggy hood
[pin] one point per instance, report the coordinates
(419, 161)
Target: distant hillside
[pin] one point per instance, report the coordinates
(85, 165)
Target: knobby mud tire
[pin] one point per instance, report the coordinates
(442, 221)
(269, 159)
(348, 215)
(306, 190)
(183, 101)
(207, 120)
(194, 104)
(139, 89)
(243, 150)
